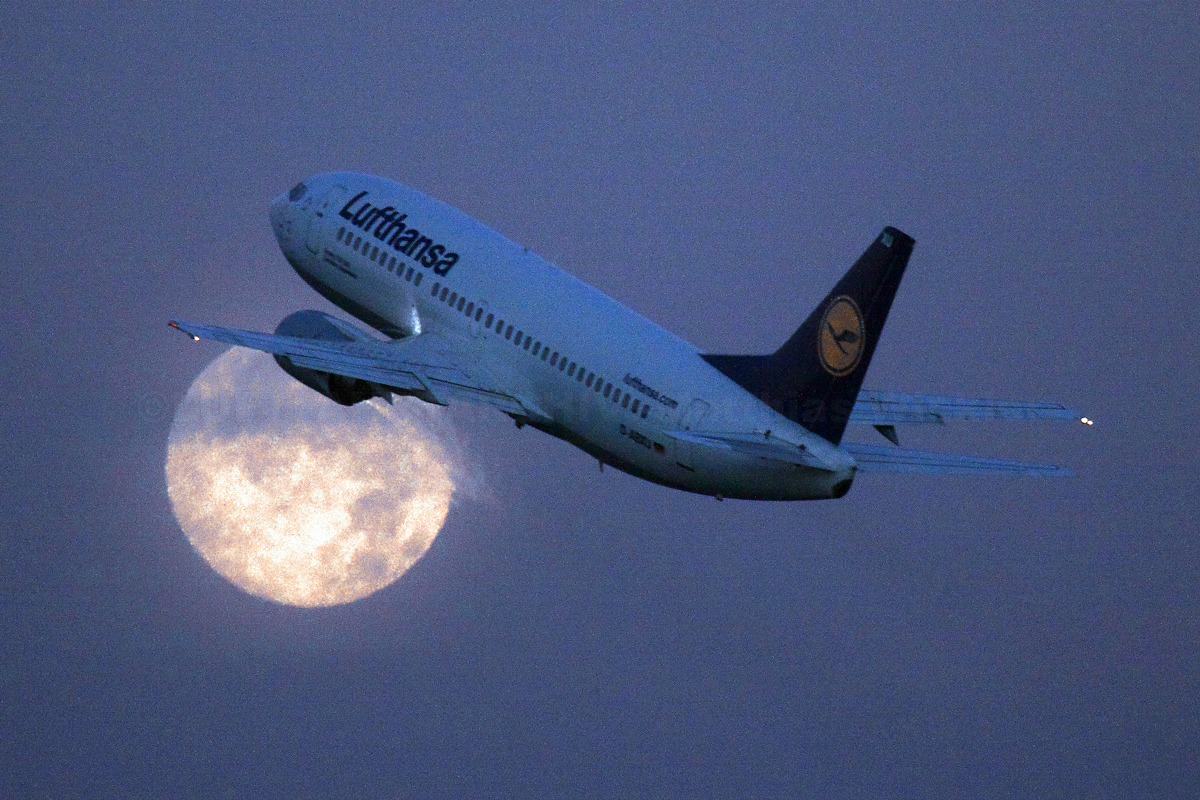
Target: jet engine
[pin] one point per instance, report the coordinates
(339, 388)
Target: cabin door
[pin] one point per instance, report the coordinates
(320, 209)
(692, 416)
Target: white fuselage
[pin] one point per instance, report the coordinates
(598, 374)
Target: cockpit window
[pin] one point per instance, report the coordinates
(297, 192)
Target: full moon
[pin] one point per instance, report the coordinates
(296, 499)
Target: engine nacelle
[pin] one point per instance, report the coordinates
(338, 388)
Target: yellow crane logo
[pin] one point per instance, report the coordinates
(841, 338)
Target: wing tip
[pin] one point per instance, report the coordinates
(174, 324)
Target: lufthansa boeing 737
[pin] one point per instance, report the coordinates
(469, 315)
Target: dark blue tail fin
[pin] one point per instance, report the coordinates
(815, 377)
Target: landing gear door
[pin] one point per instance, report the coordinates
(321, 208)
(691, 418)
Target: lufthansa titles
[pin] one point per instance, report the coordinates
(653, 394)
(389, 226)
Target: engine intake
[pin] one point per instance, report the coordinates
(341, 389)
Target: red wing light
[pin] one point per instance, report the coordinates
(175, 325)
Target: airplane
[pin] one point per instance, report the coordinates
(461, 313)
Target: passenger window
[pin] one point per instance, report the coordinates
(408, 274)
(645, 411)
(579, 376)
(545, 353)
(591, 376)
(607, 389)
(453, 297)
(392, 263)
(436, 286)
(417, 277)
(445, 291)
(571, 369)
(518, 338)
(537, 348)
(562, 363)
(339, 233)
(528, 341)
(625, 401)
(490, 318)
(462, 301)
(508, 333)
(554, 359)
(634, 406)
(357, 242)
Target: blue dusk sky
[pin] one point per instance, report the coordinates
(581, 633)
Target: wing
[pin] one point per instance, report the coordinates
(868, 457)
(895, 408)
(427, 365)
(894, 459)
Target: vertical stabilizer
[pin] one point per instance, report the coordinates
(814, 378)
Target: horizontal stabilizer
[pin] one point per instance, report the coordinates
(754, 445)
(896, 408)
(423, 365)
(883, 458)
